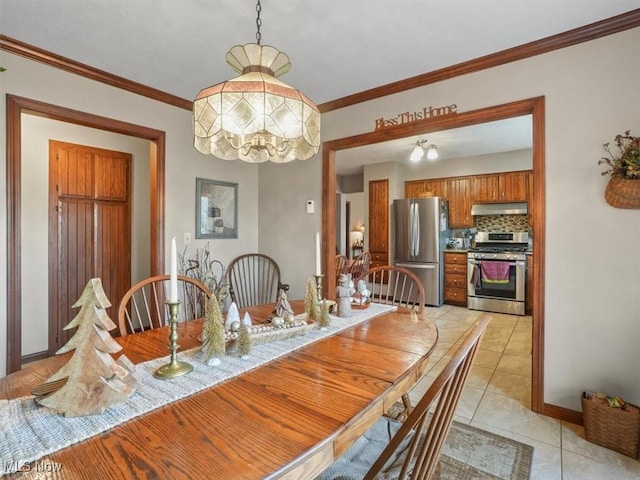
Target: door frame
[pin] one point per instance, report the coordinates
(15, 107)
(532, 106)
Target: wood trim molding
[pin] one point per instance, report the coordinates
(39, 55)
(533, 106)
(16, 106)
(586, 33)
(564, 414)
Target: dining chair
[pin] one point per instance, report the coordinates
(254, 279)
(392, 285)
(360, 265)
(411, 449)
(144, 306)
(342, 266)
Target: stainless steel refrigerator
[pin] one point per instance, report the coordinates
(421, 233)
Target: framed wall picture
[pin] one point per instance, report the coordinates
(216, 209)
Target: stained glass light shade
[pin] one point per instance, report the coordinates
(256, 117)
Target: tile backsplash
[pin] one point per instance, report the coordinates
(502, 223)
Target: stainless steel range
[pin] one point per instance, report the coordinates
(496, 272)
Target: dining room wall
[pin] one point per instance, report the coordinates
(34, 80)
(591, 270)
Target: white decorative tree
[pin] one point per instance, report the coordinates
(233, 315)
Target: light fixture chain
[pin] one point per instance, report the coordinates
(258, 23)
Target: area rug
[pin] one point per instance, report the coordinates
(473, 454)
(470, 453)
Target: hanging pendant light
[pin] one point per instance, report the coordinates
(256, 117)
(418, 151)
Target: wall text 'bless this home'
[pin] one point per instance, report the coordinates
(410, 117)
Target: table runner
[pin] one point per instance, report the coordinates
(30, 432)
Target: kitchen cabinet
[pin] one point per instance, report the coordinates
(500, 187)
(529, 287)
(379, 222)
(418, 188)
(513, 186)
(485, 189)
(455, 278)
(459, 196)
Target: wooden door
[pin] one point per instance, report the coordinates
(379, 222)
(89, 229)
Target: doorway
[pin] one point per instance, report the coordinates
(16, 107)
(534, 107)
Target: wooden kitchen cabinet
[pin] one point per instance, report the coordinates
(455, 278)
(485, 189)
(513, 186)
(529, 287)
(418, 188)
(500, 187)
(379, 222)
(459, 196)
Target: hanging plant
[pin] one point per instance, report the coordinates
(623, 166)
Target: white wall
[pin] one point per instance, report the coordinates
(476, 165)
(36, 133)
(286, 231)
(36, 81)
(592, 269)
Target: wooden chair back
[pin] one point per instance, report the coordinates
(143, 307)
(429, 429)
(360, 265)
(342, 263)
(393, 285)
(254, 279)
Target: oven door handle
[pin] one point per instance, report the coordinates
(511, 264)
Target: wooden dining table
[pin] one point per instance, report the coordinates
(288, 419)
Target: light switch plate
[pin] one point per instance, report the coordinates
(310, 206)
(187, 238)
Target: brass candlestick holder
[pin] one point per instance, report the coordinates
(319, 286)
(174, 368)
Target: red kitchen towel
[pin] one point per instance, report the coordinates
(495, 272)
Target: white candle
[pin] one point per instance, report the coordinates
(318, 266)
(173, 273)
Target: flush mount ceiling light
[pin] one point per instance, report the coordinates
(256, 117)
(418, 151)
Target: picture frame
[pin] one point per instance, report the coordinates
(216, 209)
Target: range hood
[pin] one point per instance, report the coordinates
(499, 209)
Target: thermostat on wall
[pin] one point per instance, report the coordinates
(310, 208)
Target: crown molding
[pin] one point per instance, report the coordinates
(578, 35)
(39, 55)
(586, 33)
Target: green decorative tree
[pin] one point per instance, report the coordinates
(311, 300)
(213, 344)
(244, 340)
(324, 320)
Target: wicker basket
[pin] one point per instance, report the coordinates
(610, 427)
(623, 192)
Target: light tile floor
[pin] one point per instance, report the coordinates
(497, 398)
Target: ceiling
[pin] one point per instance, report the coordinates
(337, 47)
